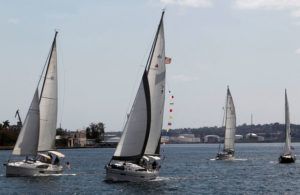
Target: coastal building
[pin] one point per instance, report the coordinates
(212, 139)
(77, 139)
(185, 138)
(239, 137)
(254, 137)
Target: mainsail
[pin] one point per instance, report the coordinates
(136, 131)
(156, 76)
(141, 134)
(287, 146)
(27, 141)
(48, 103)
(230, 123)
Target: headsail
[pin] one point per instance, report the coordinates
(28, 138)
(287, 146)
(230, 123)
(156, 76)
(48, 103)
(136, 131)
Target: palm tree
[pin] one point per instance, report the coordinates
(5, 124)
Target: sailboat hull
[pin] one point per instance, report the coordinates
(129, 173)
(287, 159)
(25, 169)
(224, 156)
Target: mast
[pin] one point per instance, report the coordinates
(156, 69)
(138, 129)
(48, 102)
(225, 118)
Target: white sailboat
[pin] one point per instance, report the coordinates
(137, 156)
(36, 140)
(230, 128)
(287, 155)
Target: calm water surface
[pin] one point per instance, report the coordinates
(186, 169)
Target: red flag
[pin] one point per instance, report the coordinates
(168, 60)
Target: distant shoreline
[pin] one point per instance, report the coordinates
(114, 146)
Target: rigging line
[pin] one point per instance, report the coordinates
(44, 67)
(51, 52)
(138, 76)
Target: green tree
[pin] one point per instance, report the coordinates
(95, 131)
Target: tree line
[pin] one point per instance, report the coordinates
(9, 133)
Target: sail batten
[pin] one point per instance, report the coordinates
(230, 123)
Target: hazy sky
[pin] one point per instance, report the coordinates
(250, 45)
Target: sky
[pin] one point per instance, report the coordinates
(251, 45)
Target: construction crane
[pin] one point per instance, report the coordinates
(19, 118)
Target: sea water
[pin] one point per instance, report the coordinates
(186, 169)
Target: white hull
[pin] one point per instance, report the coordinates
(22, 168)
(130, 174)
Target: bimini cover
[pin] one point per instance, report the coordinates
(60, 155)
(44, 155)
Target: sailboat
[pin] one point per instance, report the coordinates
(287, 155)
(36, 141)
(230, 128)
(137, 156)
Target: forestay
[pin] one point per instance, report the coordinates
(27, 142)
(48, 103)
(230, 123)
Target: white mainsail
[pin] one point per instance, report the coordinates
(132, 143)
(27, 142)
(230, 123)
(287, 146)
(156, 77)
(48, 104)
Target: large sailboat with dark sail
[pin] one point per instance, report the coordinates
(287, 155)
(137, 156)
(230, 127)
(36, 141)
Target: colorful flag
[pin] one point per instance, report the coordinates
(168, 60)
